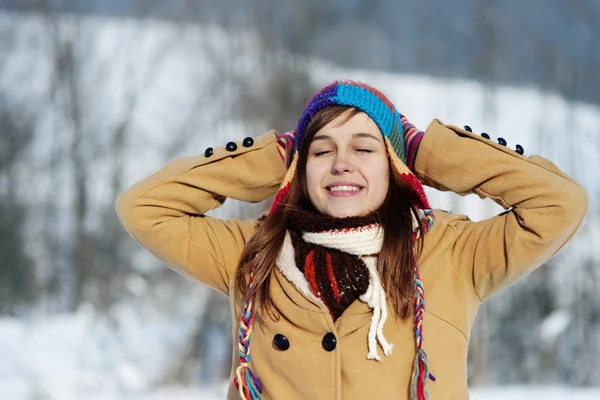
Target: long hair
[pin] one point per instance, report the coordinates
(395, 261)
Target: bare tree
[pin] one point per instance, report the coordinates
(18, 281)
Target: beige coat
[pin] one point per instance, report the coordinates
(463, 262)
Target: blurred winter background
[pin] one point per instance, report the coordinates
(95, 95)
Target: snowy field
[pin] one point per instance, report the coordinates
(76, 358)
(512, 393)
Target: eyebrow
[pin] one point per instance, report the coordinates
(354, 136)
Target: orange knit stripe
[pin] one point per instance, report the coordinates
(309, 272)
(332, 278)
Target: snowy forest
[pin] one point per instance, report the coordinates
(97, 95)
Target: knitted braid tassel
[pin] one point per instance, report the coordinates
(421, 372)
(246, 383)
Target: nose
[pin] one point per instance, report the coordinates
(341, 164)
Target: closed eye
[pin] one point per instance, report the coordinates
(322, 153)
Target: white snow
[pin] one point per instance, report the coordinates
(535, 393)
(80, 357)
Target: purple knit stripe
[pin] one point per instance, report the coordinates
(317, 103)
(413, 147)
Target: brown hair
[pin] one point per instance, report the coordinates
(395, 262)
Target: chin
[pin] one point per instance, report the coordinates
(347, 213)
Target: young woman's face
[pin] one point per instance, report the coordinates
(347, 169)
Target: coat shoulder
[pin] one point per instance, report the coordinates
(442, 234)
(444, 222)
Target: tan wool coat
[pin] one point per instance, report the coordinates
(463, 262)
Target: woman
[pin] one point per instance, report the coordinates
(328, 290)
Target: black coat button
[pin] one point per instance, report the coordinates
(501, 141)
(485, 136)
(281, 342)
(468, 128)
(329, 342)
(208, 152)
(231, 146)
(248, 142)
(520, 149)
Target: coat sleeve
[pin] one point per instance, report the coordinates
(545, 206)
(165, 212)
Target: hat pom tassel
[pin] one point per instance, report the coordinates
(247, 384)
(420, 373)
(420, 376)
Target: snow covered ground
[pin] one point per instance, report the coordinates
(492, 393)
(75, 357)
(535, 393)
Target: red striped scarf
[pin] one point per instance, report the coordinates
(336, 277)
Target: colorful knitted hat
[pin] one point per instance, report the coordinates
(397, 132)
(381, 110)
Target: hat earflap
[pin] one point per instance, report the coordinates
(284, 188)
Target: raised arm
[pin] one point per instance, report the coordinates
(165, 212)
(545, 206)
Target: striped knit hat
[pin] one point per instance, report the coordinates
(398, 134)
(396, 130)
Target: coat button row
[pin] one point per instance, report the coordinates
(282, 343)
(231, 146)
(501, 141)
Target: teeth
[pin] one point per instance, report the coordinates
(344, 189)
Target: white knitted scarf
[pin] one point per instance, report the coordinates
(364, 242)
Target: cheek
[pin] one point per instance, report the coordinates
(313, 178)
(379, 176)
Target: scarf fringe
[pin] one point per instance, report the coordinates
(375, 298)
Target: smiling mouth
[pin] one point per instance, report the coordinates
(343, 190)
